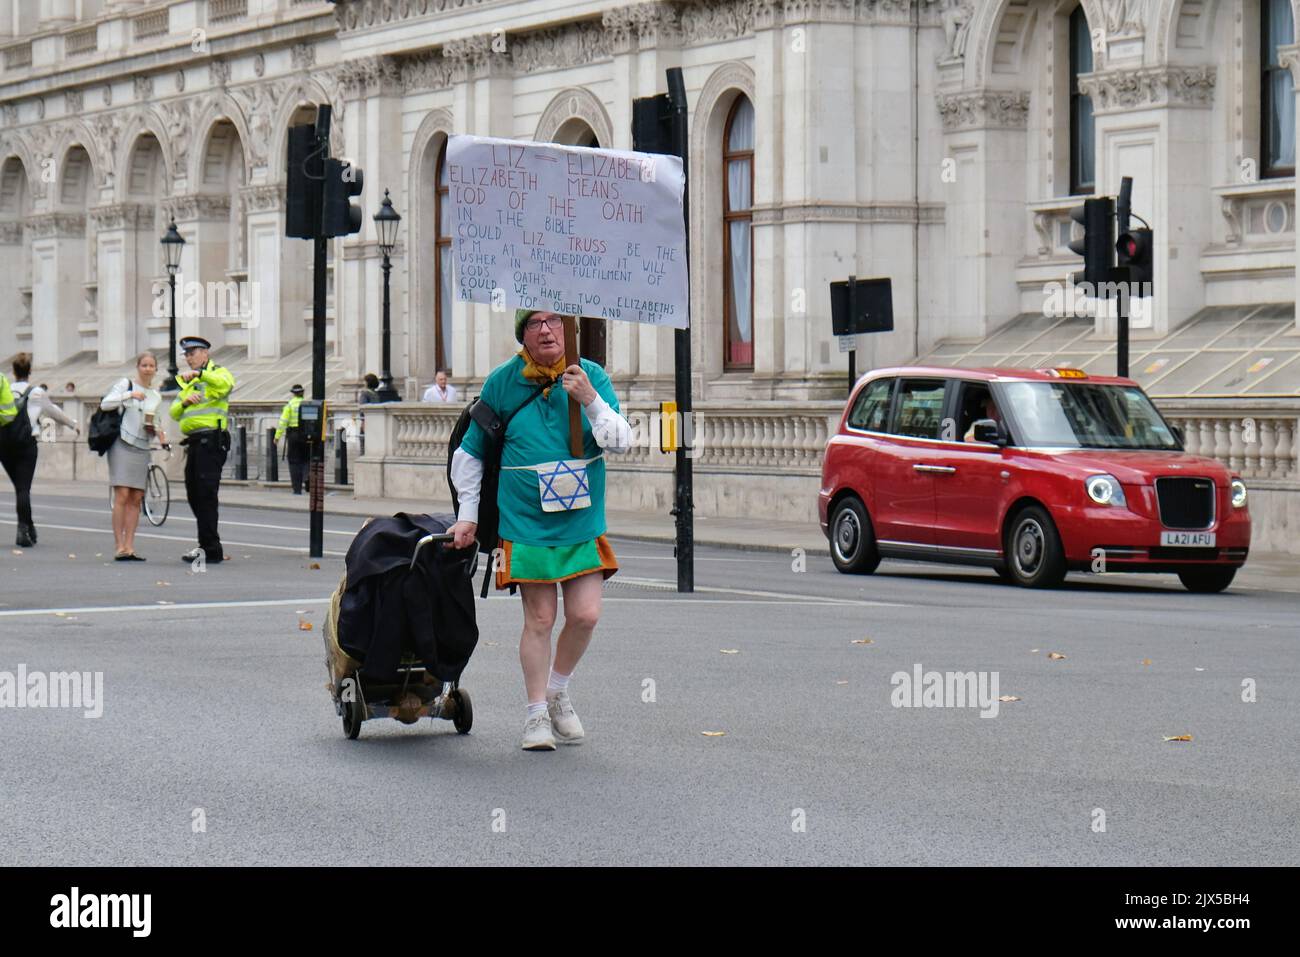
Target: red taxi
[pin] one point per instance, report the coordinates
(1031, 472)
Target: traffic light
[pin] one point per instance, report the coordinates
(339, 217)
(1133, 249)
(1097, 216)
(302, 193)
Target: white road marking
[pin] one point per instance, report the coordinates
(176, 538)
(665, 585)
(181, 518)
(179, 606)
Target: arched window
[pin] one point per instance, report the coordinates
(737, 241)
(442, 266)
(1082, 139)
(1277, 90)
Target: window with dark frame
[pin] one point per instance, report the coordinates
(1276, 90)
(1082, 127)
(737, 236)
(442, 266)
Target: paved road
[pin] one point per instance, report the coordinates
(214, 699)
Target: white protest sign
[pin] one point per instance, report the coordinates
(577, 231)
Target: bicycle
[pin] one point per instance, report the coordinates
(157, 499)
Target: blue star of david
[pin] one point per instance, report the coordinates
(549, 494)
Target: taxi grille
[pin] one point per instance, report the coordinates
(1185, 502)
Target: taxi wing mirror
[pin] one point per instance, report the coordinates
(990, 431)
(1178, 434)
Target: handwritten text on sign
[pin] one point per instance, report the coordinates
(576, 231)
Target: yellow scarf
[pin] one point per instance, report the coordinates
(542, 374)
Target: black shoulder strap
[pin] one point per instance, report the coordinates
(523, 405)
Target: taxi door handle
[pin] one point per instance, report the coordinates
(942, 469)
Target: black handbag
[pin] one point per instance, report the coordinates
(105, 427)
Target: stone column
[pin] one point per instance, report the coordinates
(279, 273)
(984, 137)
(12, 280)
(483, 106)
(125, 276)
(1289, 56)
(58, 284)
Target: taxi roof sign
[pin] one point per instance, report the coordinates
(1065, 372)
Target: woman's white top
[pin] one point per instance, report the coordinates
(133, 410)
(39, 405)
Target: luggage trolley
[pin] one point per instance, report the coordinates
(417, 695)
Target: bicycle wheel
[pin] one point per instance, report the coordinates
(157, 496)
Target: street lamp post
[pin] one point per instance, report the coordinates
(172, 243)
(386, 221)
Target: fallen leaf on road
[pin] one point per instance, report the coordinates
(18, 551)
(1008, 697)
(60, 614)
(1145, 661)
(304, 626)
(1200, 669)
(862, 641)
(1054, 656)
(302, 611)
(314, 566)
(730, 651)
(99, 554)
(72, 556)
(841, 682)
(713, 734)
(164, 602)
(1180, 737)
(163, 584)
(1033, 651)
(492, 643)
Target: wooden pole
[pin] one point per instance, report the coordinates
(575, 411)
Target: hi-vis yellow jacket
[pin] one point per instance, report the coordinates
(214, 383)
(288, 417)
(8, 407)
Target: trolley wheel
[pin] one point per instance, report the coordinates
(354, 712)
(464, 718)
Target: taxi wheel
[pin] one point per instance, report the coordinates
(1207, 580)
(1035, 558)
(853, 540)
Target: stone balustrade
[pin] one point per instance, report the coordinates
(1256, 443)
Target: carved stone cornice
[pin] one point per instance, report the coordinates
(209, 206)
(57, 226)
(122, 216)
(926, 214)
(259, 102)
(484, 55)
(219, 72)
(642, 26)
(143, 89)
(302, 56)
(984, 109)
(550, 49)
(1116, 91)
(261, 199)
(73, 102)
(369, 76)
(425, 71)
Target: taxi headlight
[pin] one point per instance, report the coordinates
(1238, 493)
(1105, 490)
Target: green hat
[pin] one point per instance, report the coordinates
(521, 317)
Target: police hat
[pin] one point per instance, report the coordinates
(296, 389)
(194, 342)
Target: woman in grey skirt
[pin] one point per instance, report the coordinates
(128, 459)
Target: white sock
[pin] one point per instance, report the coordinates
(557, 683)
(535, 708)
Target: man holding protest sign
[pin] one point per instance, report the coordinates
(552, 509)
(555, 231)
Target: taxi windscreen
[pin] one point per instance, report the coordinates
(1088, 416)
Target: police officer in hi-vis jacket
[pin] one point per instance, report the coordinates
(203, 409)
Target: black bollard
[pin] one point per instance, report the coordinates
(241, 456)
(340, 460)
(272, 457)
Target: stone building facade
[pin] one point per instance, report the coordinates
(937, 142)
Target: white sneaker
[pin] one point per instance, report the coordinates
(564, 720)
(537, 734)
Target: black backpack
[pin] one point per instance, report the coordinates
(494, 432)
(104, 429)
(17, 433)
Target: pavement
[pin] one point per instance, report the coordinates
(755, 721)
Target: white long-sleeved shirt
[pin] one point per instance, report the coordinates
(39, 405)
(133, 431)
(609, 428)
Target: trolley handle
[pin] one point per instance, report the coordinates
(444, 538)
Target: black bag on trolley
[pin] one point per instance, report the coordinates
(390, 608)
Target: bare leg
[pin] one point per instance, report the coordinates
(582, 602)
(121, 495)
(535, 643)
(131, 518)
